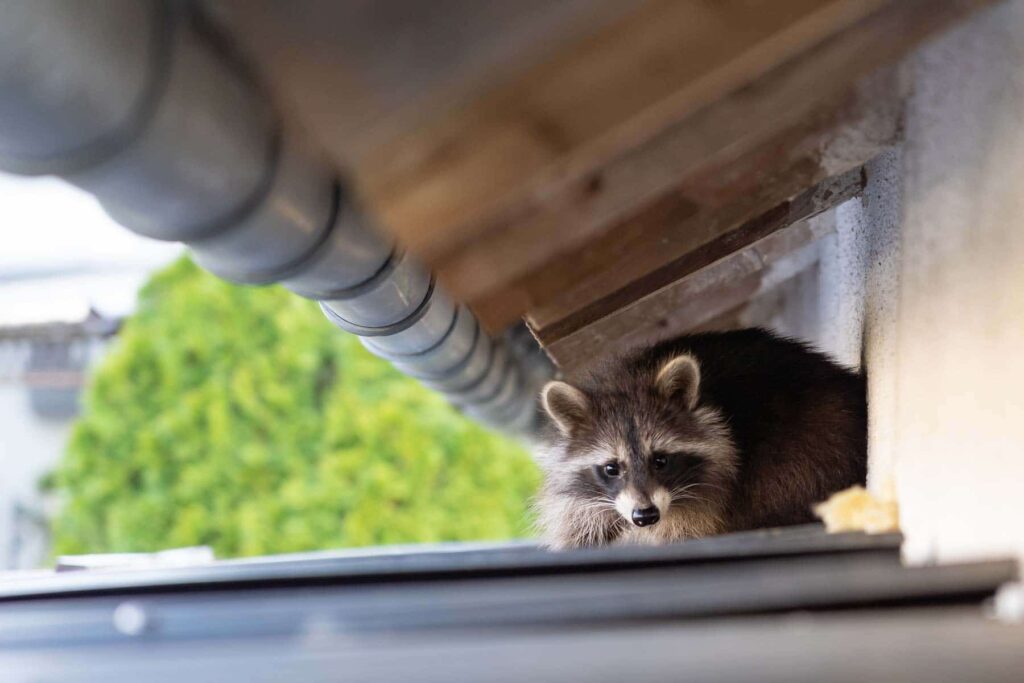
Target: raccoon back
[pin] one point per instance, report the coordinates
(798, 419)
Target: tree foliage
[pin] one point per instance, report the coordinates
(239, 418)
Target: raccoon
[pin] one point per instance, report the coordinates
(699, 435)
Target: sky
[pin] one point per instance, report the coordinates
(61, 254)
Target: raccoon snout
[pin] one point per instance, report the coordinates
(646, 517)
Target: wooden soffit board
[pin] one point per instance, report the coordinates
(560, 160)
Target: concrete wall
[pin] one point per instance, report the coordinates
(959, 379)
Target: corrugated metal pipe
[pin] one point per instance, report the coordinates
(139, 103)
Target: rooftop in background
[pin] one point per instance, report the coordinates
(64, 256)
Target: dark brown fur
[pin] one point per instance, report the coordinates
(777, 425)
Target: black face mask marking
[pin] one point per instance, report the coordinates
(682, 475)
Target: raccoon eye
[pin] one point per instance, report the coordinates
(612, 469)
(660, 461)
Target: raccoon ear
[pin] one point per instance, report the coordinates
(680, 378)
(566, 405)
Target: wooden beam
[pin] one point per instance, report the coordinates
(826, 195)
(708, 282)
(541, 166)
(643, 252)
(546, 157)
(476, 170)
(362, 74)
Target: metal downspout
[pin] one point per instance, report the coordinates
(141, 104)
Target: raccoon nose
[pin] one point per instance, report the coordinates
(646, 517)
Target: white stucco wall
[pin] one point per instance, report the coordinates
(860, 301)
(959, 379)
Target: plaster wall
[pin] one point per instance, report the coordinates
(958, 376)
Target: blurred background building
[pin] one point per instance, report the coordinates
(68, 276)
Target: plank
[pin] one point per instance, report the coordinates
(360, 73)
(822, 197)
(702, 284)
(614, 267)
(541, 156)
(548, 198)
(489, 163)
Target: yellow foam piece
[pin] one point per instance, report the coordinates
(856, 509)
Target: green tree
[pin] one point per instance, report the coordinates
(239, 418)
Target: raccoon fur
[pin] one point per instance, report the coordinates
(699, 435)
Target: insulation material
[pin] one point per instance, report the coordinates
(855, 509)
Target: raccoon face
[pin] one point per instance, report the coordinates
(639, 460)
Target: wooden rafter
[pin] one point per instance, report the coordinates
(564, 161)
